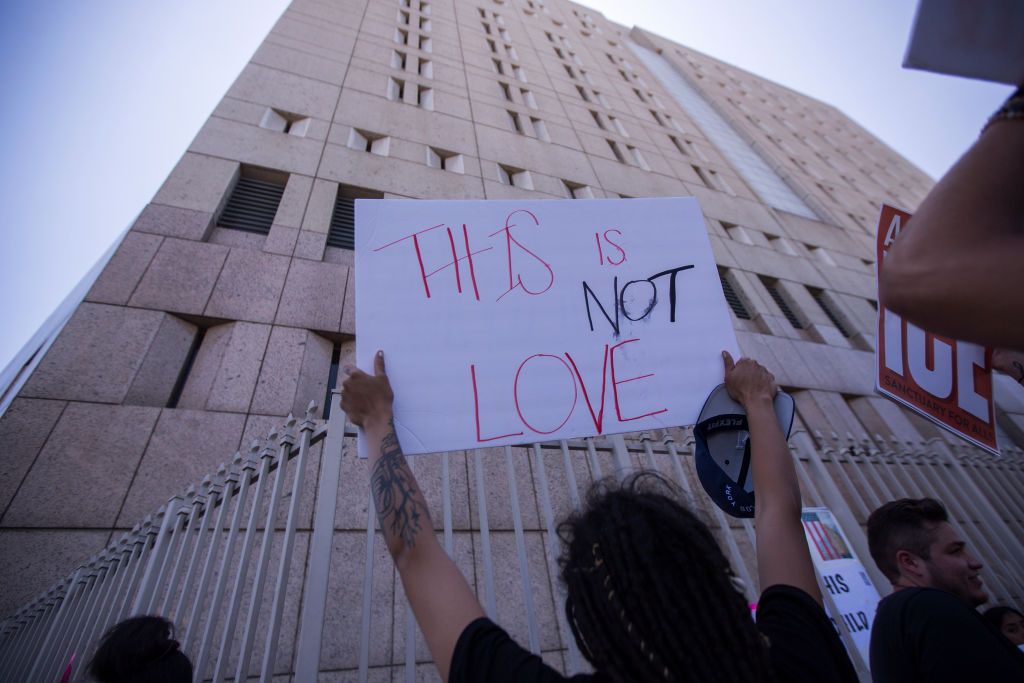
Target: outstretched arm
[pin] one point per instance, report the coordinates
(957, 272)
(782, 554)
(440, 597)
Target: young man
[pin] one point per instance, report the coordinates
(928, 629)
(650, 595)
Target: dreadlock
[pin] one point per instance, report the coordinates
(650, 594)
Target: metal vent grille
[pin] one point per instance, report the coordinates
(343, 224)
(819, 296)
(733, 298)
(783, 305)
(252, 206)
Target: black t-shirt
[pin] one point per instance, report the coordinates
(926, 634)
(804, 646)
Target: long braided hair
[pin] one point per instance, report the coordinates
(650, 595)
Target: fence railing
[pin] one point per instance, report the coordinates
(273, 565)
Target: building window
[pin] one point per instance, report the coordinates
(425, 68)
(528, 99)
(342, 232)
(186, 368)
(426, 44)
(820, 297)
(254, 201)
(396, 89)
(285, 122)
(332, 378)
(398, 60)
(496, 64)
(540, 129)
(446, 161)
(576, 190)
(517, 177)
(583, 93)
(678, 145)
(401, 36)
(425, 97)
(364, 141)
(616, 151)
(514, 121)
(506, 92)
(617, 125)
(638, 157)
(773, 289)
(731, 297)
(703, 177)
(597, 119)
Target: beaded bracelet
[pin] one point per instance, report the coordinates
(1012, 109)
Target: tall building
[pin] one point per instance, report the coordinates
(230, 302)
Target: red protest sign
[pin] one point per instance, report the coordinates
(945, 380)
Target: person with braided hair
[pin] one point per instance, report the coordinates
(650, 595)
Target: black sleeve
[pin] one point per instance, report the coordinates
(803, 643)
(950, 642)
(485, 652)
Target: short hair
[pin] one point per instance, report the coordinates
(141, 649)
(905, 524)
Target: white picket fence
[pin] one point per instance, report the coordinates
(222, 562)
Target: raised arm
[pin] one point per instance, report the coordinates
(957, 271)
(440, 597)
(782, 554)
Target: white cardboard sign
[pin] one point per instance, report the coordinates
(510, 322)
(842, 576)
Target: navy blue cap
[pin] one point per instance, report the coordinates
(722, 449)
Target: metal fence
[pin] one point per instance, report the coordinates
(273, 566)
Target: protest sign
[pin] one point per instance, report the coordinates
(850, 591)
(945, 380)
(512, 322)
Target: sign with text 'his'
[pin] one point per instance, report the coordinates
(843, 577)
(945, 380)
(509, 322)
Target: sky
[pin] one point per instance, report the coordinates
(103, 97)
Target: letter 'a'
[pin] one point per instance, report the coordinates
(893, 232)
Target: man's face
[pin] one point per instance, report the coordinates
(951, 568)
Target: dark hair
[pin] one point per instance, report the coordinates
(140, 649)
(995, 615)
(650, 594)
(905, 524)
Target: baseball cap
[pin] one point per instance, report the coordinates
(722, 449)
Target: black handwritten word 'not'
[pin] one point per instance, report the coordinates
(618, 303)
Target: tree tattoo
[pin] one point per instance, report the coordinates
(399, 505)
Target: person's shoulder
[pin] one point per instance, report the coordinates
(930, 599)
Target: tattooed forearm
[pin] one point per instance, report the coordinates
(400, 505)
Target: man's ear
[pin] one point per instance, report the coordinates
(911, 566)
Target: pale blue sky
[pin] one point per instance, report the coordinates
(102, 97)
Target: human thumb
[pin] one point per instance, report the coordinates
(378, 365)
(727, 359)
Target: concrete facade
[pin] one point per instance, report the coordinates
(197, 338)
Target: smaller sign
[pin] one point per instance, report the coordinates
(842, 576)
(943, 379)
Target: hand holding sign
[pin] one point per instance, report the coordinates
(367, 399)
